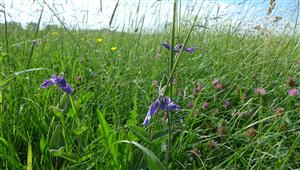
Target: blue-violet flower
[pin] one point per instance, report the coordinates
(59, 81)
(178, 48)
(161, 103)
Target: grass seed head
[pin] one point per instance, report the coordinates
(279, 111)
(251, 132)
(217, 84)
(291, 82)
(271, 7)
(221, 130)
(205, 105)
(226, 103)
(197, 89)
(212, 144)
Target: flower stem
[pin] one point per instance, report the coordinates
(59, 95)
(172, 68)
(176, 61)
(172, 55)
(260, 126)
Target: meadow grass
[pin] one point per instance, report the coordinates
(99, 126)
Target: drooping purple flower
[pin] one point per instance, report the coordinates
(59, 81)
(161, 103)
(167, 45)
(293, 92)
(168, 105)
(179, 47)
(153, 108)
(190, 49)
(147, 120)
(46, 84)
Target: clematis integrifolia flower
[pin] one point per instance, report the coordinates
(161, 103)
(179, 47)
(59, 81)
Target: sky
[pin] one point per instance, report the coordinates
(152, 14)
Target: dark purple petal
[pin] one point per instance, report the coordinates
(61, 82)
(166, 100)
(54, 79)
(153, 108)
(67, 89)
(147, 121)
(190, 49)
(46, 84)
(173, 106)
(166, 45)
(178, 48)
(168, 105)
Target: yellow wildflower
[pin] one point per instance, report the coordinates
(113, 49)
(99, 40)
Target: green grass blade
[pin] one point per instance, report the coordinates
(153, 158)
(114, 12)
(139, 133)
(29, 156)
(133, 113)
(108, 137)
(10, 77)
